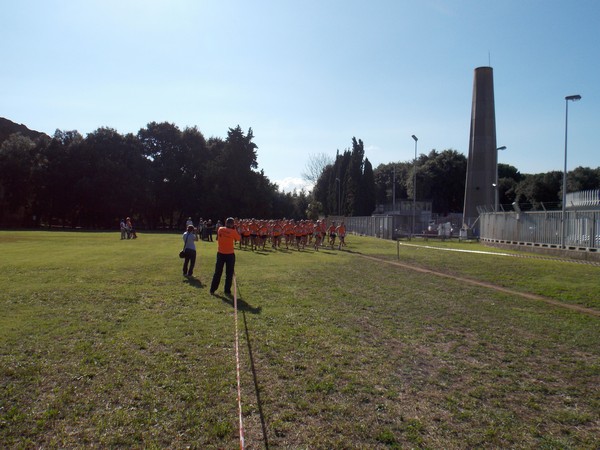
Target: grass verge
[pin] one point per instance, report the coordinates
(104, 344)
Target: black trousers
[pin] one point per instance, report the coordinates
(190, 259)
(229, 262)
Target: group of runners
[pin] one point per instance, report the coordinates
(257, 234)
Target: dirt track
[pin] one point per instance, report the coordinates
(581, 309)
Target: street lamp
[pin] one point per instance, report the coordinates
(496, 184)
(394, 189)
(572, 98)
(338, 196)
(414, 186)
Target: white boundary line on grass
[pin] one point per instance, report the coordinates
(514, 255)
(457, 250)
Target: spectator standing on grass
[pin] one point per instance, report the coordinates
(131, 234)
(217, 226)
(123, 229)
(226, 237)
(204, 235)
(210, 229)
(189, 238)
(200, 229)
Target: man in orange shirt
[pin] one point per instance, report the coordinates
(227, 236)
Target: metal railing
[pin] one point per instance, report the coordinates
(391, 226)
(543, 228)
(531, 228)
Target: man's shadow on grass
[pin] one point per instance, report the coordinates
(245, 307)
(194, 282)
(241, 304)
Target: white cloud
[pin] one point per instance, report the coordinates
(288, 184)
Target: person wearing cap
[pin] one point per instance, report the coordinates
(189, 238)
(226, 238)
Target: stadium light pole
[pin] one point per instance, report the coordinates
(568, 98)
(394, 189)
(496, 185)
(414, 185)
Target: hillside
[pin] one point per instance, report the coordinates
(8, 127)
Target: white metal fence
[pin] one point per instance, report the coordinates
(585, 199)
(543, 228)
(532, 228)
(384, 227)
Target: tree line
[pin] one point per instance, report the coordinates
(347, 186)
(440, 178)
(158, 177)
(162, 175)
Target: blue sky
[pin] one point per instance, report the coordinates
(308, 76)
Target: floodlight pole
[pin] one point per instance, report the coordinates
(394, 189)
(414, 186)
(563, 232)
(496, 185)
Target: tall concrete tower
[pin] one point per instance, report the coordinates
(483, 155)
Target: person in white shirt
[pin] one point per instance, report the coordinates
(190, 237)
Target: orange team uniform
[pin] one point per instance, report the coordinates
(227, 237)
(323, 228)
(341, 231)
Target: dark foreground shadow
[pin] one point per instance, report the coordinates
(256, 387)
(241, 304)
(194, 282)
(244, 307)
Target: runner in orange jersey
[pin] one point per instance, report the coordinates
(245, 234)
(341, 232)
(276, 231)
(318, 234)
(309, 225)
(323, 228)
(288, 230)
(298, 233)
(331, 233)
(253, 225)
(263, 234)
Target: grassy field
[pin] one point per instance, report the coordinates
(104, 344)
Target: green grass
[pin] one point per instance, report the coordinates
(104, 344)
